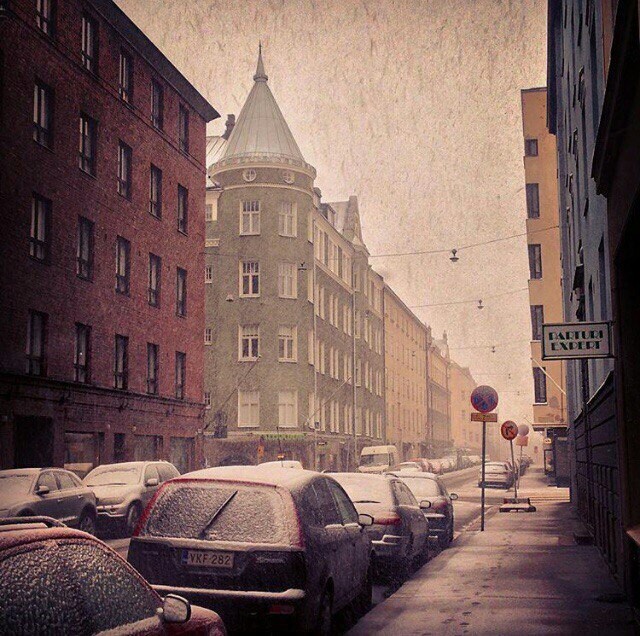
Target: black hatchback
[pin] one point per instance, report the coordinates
(256, 544)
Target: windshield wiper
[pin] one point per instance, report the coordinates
(215, 515)
(366, 501)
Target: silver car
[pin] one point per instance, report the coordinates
(124, 490)
(50, 492)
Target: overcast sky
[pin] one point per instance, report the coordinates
(413, 106)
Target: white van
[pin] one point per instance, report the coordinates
(376, 459)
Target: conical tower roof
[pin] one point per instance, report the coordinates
(261, 131)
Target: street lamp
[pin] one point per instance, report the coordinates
(454, 258)
(480, 305)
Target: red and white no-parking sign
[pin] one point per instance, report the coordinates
(484, 398)
(509, 430)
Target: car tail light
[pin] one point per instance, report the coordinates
(296, 533)
(439, 506)
(391, 519)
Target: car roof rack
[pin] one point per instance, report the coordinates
(50, 522)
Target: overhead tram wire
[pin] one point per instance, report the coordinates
(471, 300)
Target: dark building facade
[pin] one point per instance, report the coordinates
(102, 186)
(616, 170)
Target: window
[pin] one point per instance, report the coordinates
(248, 408)
(157, 105)
(125, 78)
(287, 408)
(181, 292)
(183, 129)
(121, 363)
(155, 192)
(152, 368)
(45, 16)
(535, 261)
(530, 147)
(249, 342)
(540, 386)
(123, 248)
(287, 219)
(124, 170)
(287, 343)
(82, 353)
(208, 212)
(155, 268)
(89, 44)
(207, 399)
(250, 217)
(287, 280)
(84, 253)
(537, 318)
(604, 311)
(39, 241)
(87, 151)
(533, 201)
(208, 274)
(208, 335)
(181, 372)
(183, 208)
(36, 343)
(42, 114)
(249, 278)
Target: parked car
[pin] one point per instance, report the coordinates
(55, 580)
(281, 545)
(429, 487)
(53, 492)
(437, 466)
(425, 463)
(399, 533)
(499, 474)
(123, 490)
(405, 466)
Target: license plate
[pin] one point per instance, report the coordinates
(207, 559)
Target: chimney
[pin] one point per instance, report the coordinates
(229, 124)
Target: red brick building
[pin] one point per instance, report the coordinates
(102, 190)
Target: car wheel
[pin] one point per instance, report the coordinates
(132, 518)
(324, 620)
(87, 523)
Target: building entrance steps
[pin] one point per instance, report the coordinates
(524, 575)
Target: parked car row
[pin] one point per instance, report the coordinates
(503, 474)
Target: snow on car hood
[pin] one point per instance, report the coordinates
(112, 492)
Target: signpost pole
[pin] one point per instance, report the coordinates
(484, 460)
(516, 477)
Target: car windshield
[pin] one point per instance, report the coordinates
(16, 483)
(113, 476)
(422, 488)
(365, 489)
(219, 512)
(375, 460)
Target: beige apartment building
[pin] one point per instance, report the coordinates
(438, 396)
(405, 377)
(466, 435)
(294, 358)
(545, 272)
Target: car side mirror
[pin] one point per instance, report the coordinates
(365, 520)
(151, 482)
(175, 609)
(43, 490)
(453, 496)
(425, 504)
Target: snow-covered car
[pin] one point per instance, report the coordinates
(399, 533)
(53, 492)
(415, 467)
(429, 487)
(123, 490)
(498, 474)
(55, 580)
(282, 463)
(275, 548)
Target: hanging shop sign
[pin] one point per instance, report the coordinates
(575, 340)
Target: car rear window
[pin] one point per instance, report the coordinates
(366, 489)
(219, 512)
(495, 469)
(422, 488)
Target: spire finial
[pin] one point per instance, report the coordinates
(260, 74)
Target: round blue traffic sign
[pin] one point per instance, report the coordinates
(484, 399)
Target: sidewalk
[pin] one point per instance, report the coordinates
(523, 575)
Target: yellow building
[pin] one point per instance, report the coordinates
(405, 377)
(466, 435)
(438, 396)
(545, 272)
